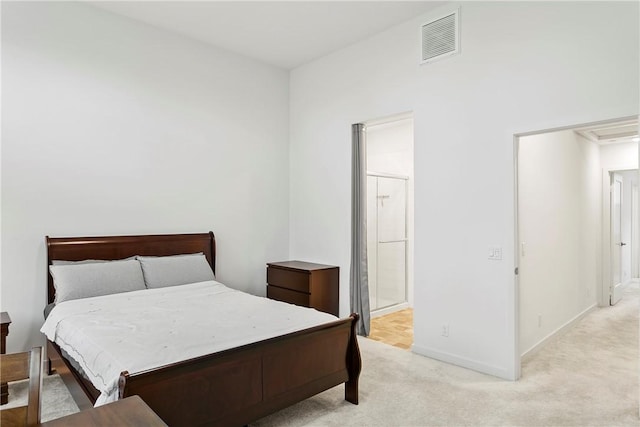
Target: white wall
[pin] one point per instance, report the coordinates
(115, 127)
(523, 67)
(559, 210)
(619, 156)
(390, 147)
(390, 150)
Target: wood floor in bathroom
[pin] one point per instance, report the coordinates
(395, 329)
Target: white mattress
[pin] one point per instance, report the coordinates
(146, 329)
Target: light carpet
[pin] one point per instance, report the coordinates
(56, 400)
(586, 377)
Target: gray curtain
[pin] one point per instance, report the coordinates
(359, 276)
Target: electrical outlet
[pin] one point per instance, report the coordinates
(445, 330)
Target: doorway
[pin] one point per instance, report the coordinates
(563, 257)
(623, 243)
(389, 158)
(635, 234)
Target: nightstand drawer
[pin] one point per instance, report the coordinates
(304, 283)
(287, 295)
(294, 280)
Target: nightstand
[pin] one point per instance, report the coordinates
(304, 283)
(5, 321)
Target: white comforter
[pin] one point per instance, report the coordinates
(146, 329)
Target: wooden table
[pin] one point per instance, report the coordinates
(5, 321)
(129, 412)
(17, 367)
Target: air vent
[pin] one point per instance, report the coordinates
(440, 38)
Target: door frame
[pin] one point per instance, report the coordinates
(607, 274)
(635, 236)
(410, 207)
(514, 313)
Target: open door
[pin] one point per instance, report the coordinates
(616, 238)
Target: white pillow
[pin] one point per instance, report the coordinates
(75, 281)
(160, 272)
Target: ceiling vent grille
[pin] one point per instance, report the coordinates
(440, 38)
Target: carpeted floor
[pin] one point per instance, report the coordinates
(587, 377)
(56, 400)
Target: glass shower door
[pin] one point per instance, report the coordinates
(372, 240)
(387, 241)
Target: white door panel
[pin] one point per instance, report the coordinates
(616, 238)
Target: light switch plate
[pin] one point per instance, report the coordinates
(495, 253)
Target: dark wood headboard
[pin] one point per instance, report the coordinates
(118, 247)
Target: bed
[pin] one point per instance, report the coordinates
(234, 386)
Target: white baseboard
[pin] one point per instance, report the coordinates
(474, 365)
(559, 331)
(387, 310)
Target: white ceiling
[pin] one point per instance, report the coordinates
(282, 33)
(612, 133)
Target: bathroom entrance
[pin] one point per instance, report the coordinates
(389, 154)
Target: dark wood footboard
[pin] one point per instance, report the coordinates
(354, 364)
(240, 385)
